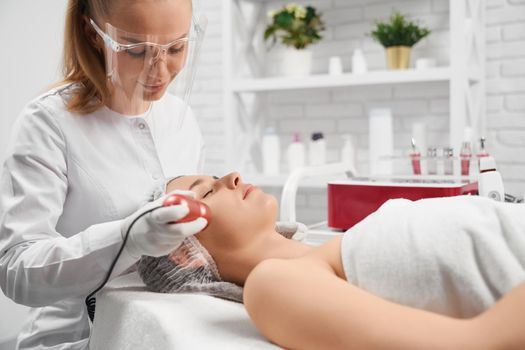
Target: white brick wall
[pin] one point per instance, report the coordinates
(344, 110)
(506, 89)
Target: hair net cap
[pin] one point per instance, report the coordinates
(191, 269)
(188, 269)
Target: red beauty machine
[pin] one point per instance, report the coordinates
(350, 201)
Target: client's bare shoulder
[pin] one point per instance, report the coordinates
(329, 255)
(323, 259)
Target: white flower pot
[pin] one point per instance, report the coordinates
(296, 62)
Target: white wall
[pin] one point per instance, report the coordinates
(343, 110)
(31, 37)
(506, 88)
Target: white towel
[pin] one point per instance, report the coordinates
(455, 256)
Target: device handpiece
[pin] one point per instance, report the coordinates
(490, 183)
(196, 208)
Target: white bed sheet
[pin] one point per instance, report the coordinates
(130, 317)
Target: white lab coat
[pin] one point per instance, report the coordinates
(66, 184)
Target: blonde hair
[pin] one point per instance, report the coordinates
(83, 63)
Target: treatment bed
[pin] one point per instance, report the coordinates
(130, 317)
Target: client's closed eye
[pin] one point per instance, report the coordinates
(208, 193)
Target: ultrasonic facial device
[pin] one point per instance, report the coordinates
(197, 208)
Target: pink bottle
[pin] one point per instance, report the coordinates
(465, 156)
(482, 152)
(415, 157)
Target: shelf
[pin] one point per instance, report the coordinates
(244, 108)
(279, 180)
(327, 81)
(321, 181)
(320, 233)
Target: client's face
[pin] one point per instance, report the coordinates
(239, 211)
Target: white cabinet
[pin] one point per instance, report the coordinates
(245, 85)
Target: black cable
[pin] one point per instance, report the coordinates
(513, 199)
(90, 299)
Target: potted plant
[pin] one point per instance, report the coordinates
(296, 27)
(398, 35)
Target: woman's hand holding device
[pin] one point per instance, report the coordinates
(160, 226)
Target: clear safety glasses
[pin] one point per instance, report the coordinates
(141, 49)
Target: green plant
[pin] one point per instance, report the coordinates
(295, 26)
(398, 31)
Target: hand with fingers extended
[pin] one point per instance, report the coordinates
(153, 229)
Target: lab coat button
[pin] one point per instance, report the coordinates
(142, 126)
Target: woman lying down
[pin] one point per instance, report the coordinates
(413, 275)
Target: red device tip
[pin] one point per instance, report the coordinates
(196, 208)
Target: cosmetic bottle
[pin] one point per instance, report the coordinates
(465, 156)
(380, 141)
(419, 133)
(359, 65)
(432, 161)
(335, 66)
(415, 157)
(448, 160)
(348, 152)
(271, 151)
(490, 183)
(440, 161)
(482, 151)
(295, 153)
(317, 149)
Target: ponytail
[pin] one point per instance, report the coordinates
(83, 63)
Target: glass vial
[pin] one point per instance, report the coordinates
(432, 161)
(465, 156)
(448, 160)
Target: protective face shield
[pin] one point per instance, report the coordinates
(142, 67)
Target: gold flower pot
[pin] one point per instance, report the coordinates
(398, 57)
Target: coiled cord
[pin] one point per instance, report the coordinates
(90, 299)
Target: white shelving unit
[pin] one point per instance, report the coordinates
(244, 120)
(345, 80)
